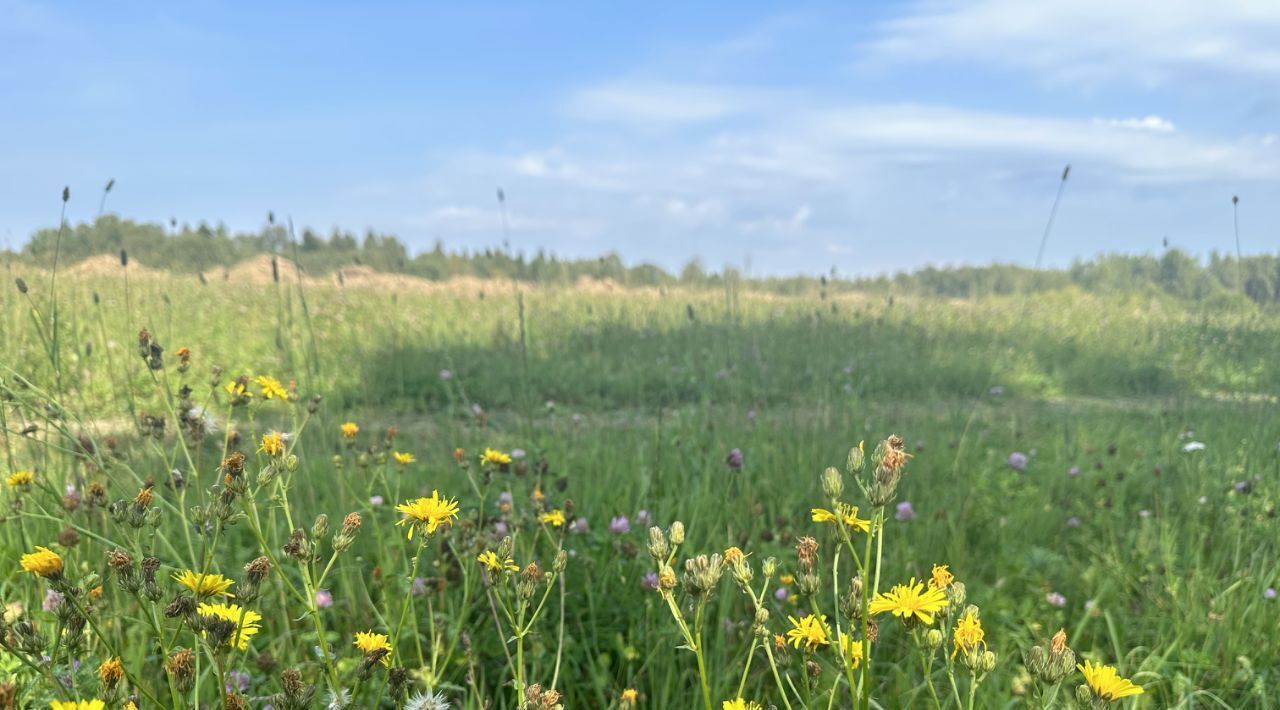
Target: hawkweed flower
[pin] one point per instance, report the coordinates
(968, 635)
(850, 649)
(42, 563)
(271, 387)
(554, 518)
(495, 458)
(272, 444)
(809, 633)
(403, 458)
(235, 625)
(492, 562)
(204, 584)
(94, 704)
(628, 699)
(19, 479)
(941, 577)
(910, 602)
(843, 512)
(349, 430)
(181, 667)
(110, 673)
(1105, 684)
(238, 391)
(375, 646)
(428, 514)
(740, 704)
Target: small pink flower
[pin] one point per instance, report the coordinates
(324, 599)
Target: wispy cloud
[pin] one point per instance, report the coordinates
(1150, 42)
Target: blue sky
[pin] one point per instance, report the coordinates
(787, 138)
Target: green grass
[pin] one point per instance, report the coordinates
(630, 401)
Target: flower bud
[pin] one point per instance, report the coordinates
(1084, 696)
(320, 528)
(677, 533)
(832, 484)
(987, 662)
(770, 567)
(857, 457)
(933, 639)
(658, 547)
(562, 560)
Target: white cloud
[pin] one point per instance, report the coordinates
(1146, 123)
(657, 103)
(1149, 42)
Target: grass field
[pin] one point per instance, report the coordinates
(1055, 469)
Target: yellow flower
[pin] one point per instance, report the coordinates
(42, 563)
(489, 559)
(349, 430)
(495, 458)
(1106, 683)
(272, 444)
(130, 705)
(246, 621)
(537, 494)
(968, 635)
(852, 649)
(110, 672)
(844, 511)
(429, 513)
(271, 387)
(404, 459)
(629, 698)
(734, 555)
(369, 643)
(237, 390)
(740, 704)
(554, 518)
(942, 577)
(909, 601)
(786, 580)
(94, 704)
(810, 632)
(204, 585)
(19, 478)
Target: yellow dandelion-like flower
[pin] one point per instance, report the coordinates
(851, 648)
(1106, 684)
(237, 390)
(428, 513)
(42, 563)
(130, 705)
(495, 458)
(844, 511)
(538, 494)
(490, 559)
(968, 635)
(272, 444)
(942, 577)
(554, 518)
(809, 632)
(111, 672)
(349, 430)
(740, 704)
(19, 478)
(910, 600)
(246, 621)
(403, 458)
(629, 697)
(204, 585)
(786, 580)
(94, 704)
(271, 387)
(369, 643)
(734, 555)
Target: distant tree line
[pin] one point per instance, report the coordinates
(204, 248)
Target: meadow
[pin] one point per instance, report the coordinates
(1101, 465)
